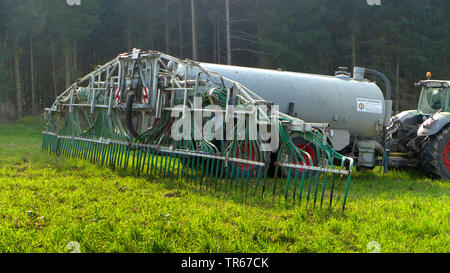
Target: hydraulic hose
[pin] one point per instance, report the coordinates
(128, 115)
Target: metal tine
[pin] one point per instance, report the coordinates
(244, 171)
(332, 190)
(266, 170)
(127, 156)
(106, 148)
(197, 164)
(154, 162)
(77, 148)
(248, 180)
(141, 159)
(169, 165)
(191, 170)
(236, 176)
(86, 150)
(187, 168)
(86, 146)
(182, 171)
(205, 176)
(136, 155)
(275, 181)
(196, 175)
(295, 184)
(174, 163)
(308, 196)
(202, 171)
(166, 163)
(109, 154)
(227, 173)
(137, 167)
(317, 187)
(346, 191)
(179, 166)
(144, 157)
(219, 174)
(64, 149)
(160, 164)
(69, 147)
(115, 155)
(323, 188)
(258, 177)
(94, 152)
(288, 182)
(212, 168)
(118, 156)
(163, 165)
(149, 158)
(103, 153)
(301, 186)
(72, 149)
(61, 147)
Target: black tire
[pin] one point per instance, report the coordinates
(433, 159)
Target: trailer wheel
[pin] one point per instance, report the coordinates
(435, 154)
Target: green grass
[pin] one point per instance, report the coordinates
(47, 202)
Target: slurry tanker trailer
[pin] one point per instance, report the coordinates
(355, 109)
(236, 129)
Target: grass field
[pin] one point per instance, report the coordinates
(47, 202)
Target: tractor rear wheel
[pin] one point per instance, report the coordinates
(435, 154)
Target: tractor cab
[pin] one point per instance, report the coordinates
(434, 97)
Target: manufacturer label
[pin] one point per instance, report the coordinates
(370, 106)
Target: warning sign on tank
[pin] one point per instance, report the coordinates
(370, 106)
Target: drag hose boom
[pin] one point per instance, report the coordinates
(194, 124)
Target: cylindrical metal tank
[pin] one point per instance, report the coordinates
(348, 104)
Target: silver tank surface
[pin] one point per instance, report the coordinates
(344, 103)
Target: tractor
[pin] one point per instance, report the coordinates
(421, 138)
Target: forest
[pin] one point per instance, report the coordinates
(48, 44)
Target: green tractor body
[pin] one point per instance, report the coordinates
(421, 138)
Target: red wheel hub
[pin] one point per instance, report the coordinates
(446, 155)
(308, 149)
(244, 152)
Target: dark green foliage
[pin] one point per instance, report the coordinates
(313, 36)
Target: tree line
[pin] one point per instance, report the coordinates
(47, 44)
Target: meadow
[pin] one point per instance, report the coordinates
(46, 202)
